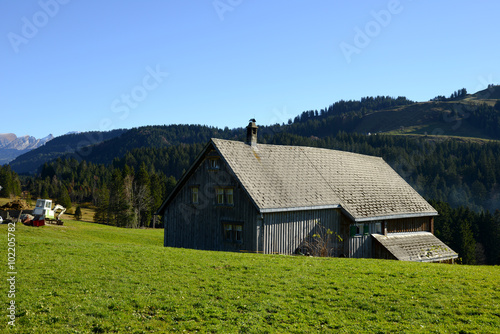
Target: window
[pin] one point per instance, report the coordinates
(224, 196)
(378, 228)
(229, 197)
(353, 230)
(359, 230)
(233, 232)
(228, 232)
(238, 233)
(220, 196)
(213, 163)
(194, 195)
(366, 229)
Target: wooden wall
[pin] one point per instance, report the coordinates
(360, 246)
(409, 225)
(289, 232)
(200, 226)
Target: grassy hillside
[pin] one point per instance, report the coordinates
(424, 118)
(87, 278)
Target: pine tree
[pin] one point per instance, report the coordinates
(142, 196)
(119, 203)
(63, 198)
(157, 185)
(102, 212)
(78, 213)
(9, 181)
(5, 182)
(467, 244)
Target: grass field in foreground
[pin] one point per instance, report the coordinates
(88, 278)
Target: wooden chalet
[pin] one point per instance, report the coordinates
(246, 196)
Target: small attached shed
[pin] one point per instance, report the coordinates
(414, 246)
(245, 196)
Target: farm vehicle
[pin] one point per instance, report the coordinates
(44, 213)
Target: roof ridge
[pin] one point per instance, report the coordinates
(305, 147)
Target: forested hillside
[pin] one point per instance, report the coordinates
(153, 137)
(32, 160)
(450, 118)
(127, 176)
(476, 115)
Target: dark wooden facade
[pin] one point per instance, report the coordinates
(411, 225)
(290, 232)
(201, 225)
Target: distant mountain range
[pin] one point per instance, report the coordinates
(461, 116)
(12, 146)
(72, 143)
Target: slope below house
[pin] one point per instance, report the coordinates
(274, 199)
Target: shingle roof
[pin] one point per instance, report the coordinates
(278, 176)
(416, 246)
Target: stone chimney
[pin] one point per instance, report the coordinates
(252, 133)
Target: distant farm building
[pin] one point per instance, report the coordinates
(287, 199)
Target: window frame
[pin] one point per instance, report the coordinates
(366, 229)
(195, 191)
(219, 196)
(224, 196)
(359, 230)
(228, 196)
(232, 232)
(213, 163)
(238, 233)
(228, 230)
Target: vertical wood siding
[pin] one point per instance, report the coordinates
(409, 225)
(288, 232)
(360, 246)
(200, 226)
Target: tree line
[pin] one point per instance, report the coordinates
(473, 235)
(458, 94)
(9, 182)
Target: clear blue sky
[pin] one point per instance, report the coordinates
(73, 65)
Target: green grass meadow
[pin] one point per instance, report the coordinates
(89, 278)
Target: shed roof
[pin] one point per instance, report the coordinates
(279, 177)
(416, 246)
